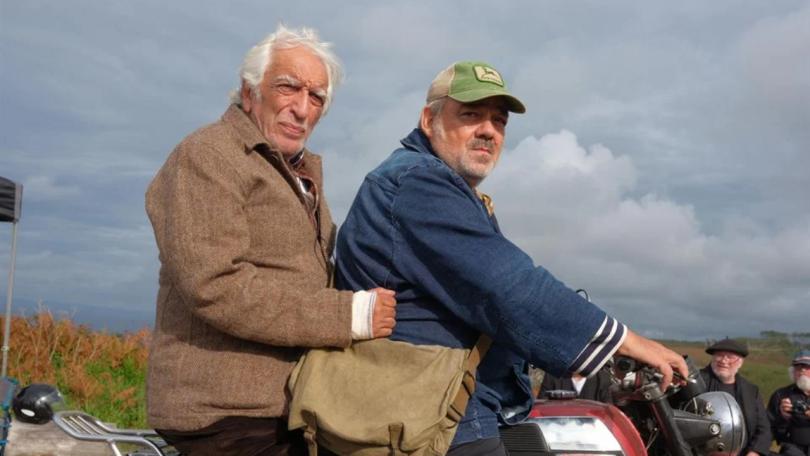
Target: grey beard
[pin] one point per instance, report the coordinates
(804, 383)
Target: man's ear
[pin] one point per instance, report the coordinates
(247, 97)
(426, 121)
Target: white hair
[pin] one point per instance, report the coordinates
(259, 57)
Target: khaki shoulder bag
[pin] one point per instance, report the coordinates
(381, 397)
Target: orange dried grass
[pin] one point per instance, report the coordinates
(46, 350)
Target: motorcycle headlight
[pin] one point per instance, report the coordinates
(561, 436)
(577, 434)
(721, 407)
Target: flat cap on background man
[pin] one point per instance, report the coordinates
(729, 345)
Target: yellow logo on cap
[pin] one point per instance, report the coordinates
(487, 74)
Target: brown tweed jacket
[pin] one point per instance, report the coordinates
(245, 277)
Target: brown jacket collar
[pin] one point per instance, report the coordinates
(254, 141)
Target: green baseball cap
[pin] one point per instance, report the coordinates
(467, 82)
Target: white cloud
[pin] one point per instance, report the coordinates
(46, 188)
(84, 263)
(577, 212)
(775, 53)
(694, 210)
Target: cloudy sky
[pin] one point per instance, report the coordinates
(662, 164)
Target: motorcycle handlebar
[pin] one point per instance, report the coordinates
(644, 376)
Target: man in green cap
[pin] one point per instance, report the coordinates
(419, 226)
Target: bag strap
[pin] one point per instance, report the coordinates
(311, 434)
(477, 353)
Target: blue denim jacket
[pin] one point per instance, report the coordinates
(417, 227)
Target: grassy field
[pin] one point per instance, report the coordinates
(104, 374)
(101, 373)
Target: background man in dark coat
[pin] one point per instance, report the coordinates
(721, 375)
(788, 409)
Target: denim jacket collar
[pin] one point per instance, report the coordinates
(418, 141)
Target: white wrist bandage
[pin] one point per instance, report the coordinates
(363, 314)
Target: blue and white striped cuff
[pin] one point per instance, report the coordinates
(608, 338)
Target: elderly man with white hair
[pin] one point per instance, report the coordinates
(722, 374)
(789, 409)
(246, 240)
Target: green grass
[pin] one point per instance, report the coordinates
(100, 373)
(123, 400)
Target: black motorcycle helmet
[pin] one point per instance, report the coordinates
(36, 403)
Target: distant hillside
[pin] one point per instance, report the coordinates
(112, 319)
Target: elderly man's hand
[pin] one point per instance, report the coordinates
(786, 408)
(655, 355)
(385, 311)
